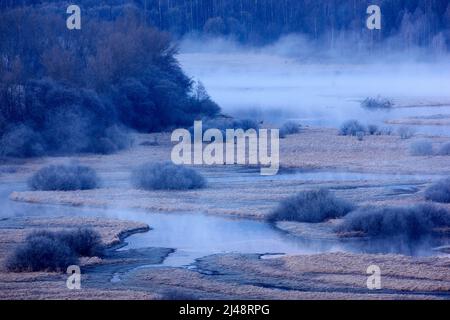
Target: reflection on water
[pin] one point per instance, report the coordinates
(198, 235)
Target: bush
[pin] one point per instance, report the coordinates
(444, 149)
(41, 253)
(439, 191)
(84, 241)
(412, 222)
(55, 251)
(290, 127)
(373, 129)
(351, 128)
(115, 138)
(64, 178)
(245, 124)
(21, 141)
(377, 103)
(406, 132)
(61, 120)
(311, 206)
(166, 176)
(387, 131)
(360, 135)
(421, 148)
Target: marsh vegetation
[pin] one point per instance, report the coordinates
(64, 178)
(54, 251)
(166, 176)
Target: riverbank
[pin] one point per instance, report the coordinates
(51, 285)
(321, 276)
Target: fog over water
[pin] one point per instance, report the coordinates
(275, 83)
(284, 80)
(197, 235)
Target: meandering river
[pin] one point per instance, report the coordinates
(197, 235)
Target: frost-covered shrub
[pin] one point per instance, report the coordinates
(41, 253)
(373, 129)
(360, 135)
(21, 142)
(55, 251)
(377, 103)
(245, 124)
(115, 138)
(387, 131)
(351, 128)
(85, 242)
(290, 127)
(412, 222)
(166, 176)
(406, 132)
(421, 148)
(311, 206)
(64, 178)
(439, 191)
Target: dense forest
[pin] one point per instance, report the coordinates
(65, 91)
(80, 90)
(424, 23)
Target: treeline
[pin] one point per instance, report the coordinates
(65, 91)
(421, 23)
(414, 22)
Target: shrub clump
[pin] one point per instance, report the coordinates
(377, 103)
(166, 176)
(421, 148)
(311, 206)
(373, 129)
(245, 124)
(406, 132)
(64, 178)
(84, 242)
(115, 138)
(352, 128)
(54, 251)
(290, 127)
(412, 222)
(21, 141)
(360, 135)
(439, 191)
(444, 149)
